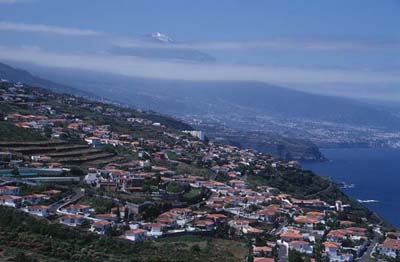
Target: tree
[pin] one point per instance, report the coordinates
(76, 171)
(47, 132)
(295, 256)
(118, 213)
(15, 172)
(126, 214)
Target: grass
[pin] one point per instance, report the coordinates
(193, 193)
(100, 205)
(208, 249)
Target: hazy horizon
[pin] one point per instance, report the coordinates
(305, 47)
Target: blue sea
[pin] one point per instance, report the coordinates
(375, 174)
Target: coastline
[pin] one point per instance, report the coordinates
(361, 167)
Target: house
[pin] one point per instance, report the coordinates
(217, 217)
(9, 200)
(291, 235)
(42, 211)
(9, 190)
(107, 217)
(93, 141)
(72, 220)
(262, 251)
(252, 230)
(101, 226)
(310, 203)
(301, 246)
(263, 259)
(337, 235)
(390, 248)
(136, 234)
(169, 221)
(78, 209)
(239, 224)
(50, 193)
(306, 221)
(268, 213)
(92, 178)
(332, 250)
(156, 229)
(205, 224)
(34, 199)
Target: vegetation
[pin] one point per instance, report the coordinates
(101, 205)
(174, 187)
(9, 132)
(26, 237)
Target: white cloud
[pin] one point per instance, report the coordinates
(273, 43)
(13, 1)
(47, 29)
(139, 67)
(304, 44)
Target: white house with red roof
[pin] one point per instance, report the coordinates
(101, 226)
(42, 211)
(155, 229)
(136, 235)
(72, 220)
(9, 190)
(78, 209)
(10, 200)
(301, 246)
(108, 217)
(390, 248)
(34, 199)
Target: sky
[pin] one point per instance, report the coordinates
(340, 47)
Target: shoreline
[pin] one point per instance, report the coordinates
(360, 166)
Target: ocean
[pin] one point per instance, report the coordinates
(372, 176)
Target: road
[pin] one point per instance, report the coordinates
(11, 180)
(282, 253)
(367, 255)
(78, 194)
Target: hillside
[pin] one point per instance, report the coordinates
(107, 184)
(160, 98)
(221, 97)
(16, 74)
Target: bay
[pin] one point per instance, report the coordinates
(375, 174)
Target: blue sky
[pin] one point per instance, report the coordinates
(314, 45)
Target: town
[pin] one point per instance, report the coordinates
(129, 175)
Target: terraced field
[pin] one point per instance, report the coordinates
(62, 151)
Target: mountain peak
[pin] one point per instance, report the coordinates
(161, 37)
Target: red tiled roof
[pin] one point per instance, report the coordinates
(262, 249)
(332, 244)
(292, 234)
(136, 231)
(216, 216)
(263, 259)
(391, 243)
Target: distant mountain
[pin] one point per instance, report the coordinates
(221, 97)
(217, 97)
(144, 94)
(19, 75)
(161, 46)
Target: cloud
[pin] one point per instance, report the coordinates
(139, 67)
(303, 44)
(314, 44)
(47, 29)
(13, 1)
